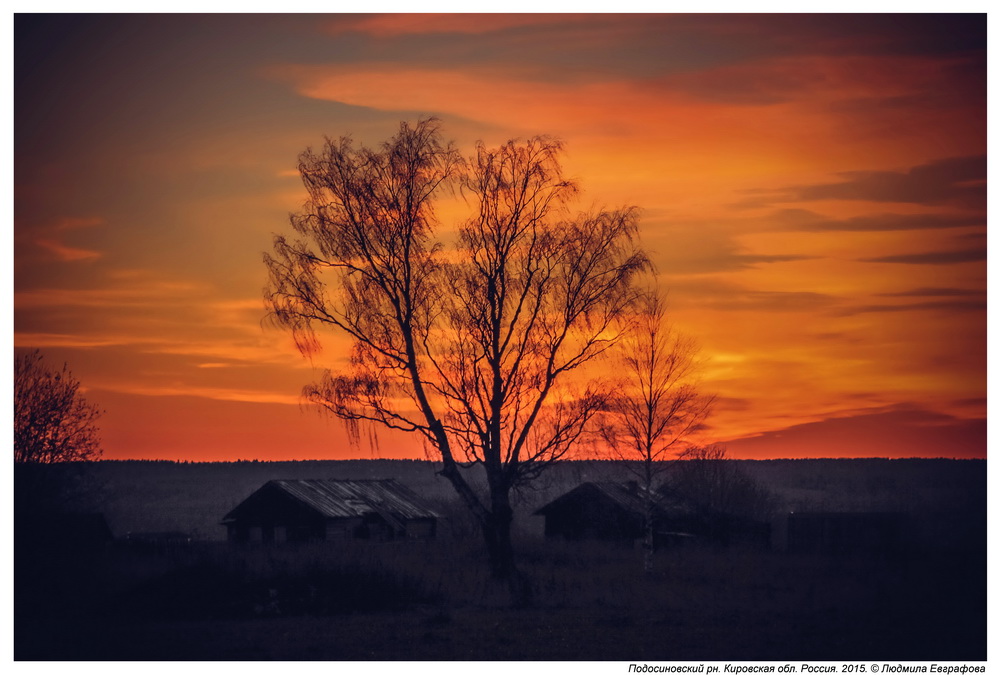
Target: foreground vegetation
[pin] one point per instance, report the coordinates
(433, 600)
(206, 600)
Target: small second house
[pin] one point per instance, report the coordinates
(330, 510)
(615, 512)
(608, 511)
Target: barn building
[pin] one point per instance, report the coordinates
(330, 510)
(615, 512)
(601, 511)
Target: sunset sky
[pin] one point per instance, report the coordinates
(813, 191)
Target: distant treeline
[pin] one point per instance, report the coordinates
(192, 497)
(782, 460)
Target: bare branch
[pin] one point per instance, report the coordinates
(52, 421)
(468, 348)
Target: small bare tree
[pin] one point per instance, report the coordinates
(652, 415)
(470, 346)
(55, 436)
(52, 421)
(715, 485)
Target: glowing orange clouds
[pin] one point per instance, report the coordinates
(812, 190)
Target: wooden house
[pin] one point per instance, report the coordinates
(616, 512)
(330, 510)
(602, 511)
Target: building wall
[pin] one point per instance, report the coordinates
(590, 516)
(275, 532)
(370, 528)
(423, 528)
(272, 516)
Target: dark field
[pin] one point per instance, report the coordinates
(205, 600)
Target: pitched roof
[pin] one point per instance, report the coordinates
(350, 498)
(627, 495)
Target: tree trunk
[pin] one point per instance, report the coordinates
(648, 541)
(495, 525)
(496, 532)
(647, 544)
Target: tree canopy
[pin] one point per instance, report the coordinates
(467, 332)
(52, 420)
(656, 407)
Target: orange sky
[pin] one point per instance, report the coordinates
(812, 187)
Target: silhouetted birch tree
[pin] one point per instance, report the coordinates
(470, 345)
(652, 415)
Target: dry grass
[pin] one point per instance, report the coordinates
(433, 600)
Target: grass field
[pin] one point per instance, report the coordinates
(433, 600)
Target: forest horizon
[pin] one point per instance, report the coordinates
(811, 193)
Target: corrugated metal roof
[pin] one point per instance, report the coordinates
(350, 498)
